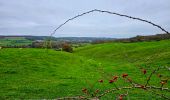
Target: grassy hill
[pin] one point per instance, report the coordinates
(118, 58)
(38, 73)
(133, 53)
(41, 73)
(12, 41)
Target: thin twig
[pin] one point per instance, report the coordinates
(161, 95)
(149, 78)
(73, 98)
(137, 86)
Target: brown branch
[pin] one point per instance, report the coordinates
(77, 98)
(113, 13)
(125, 94)
(137, 86)
(115, 89)
(73, 98)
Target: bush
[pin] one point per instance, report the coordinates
(66, 47)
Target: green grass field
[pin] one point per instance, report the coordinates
(12, 41)
(49, 74)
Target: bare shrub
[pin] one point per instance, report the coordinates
(66, 47)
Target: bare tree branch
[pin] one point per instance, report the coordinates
(113, 13)
(137, 86)
(73, 98)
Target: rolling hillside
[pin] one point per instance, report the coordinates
(14, 41)
(37, 73)
(49, 74)
(133, 53)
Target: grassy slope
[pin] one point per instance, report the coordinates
(118, 58)
(150, 53)
(38, 73)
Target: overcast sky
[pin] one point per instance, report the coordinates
(41, 17)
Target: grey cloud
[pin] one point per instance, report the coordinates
(40, 17)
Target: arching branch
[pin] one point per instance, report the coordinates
(113, 13)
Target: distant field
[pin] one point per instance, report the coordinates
(12, 41)
(49, 74)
